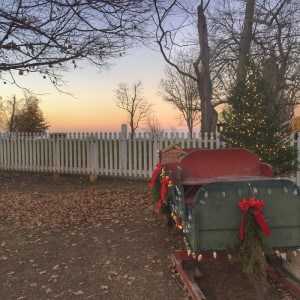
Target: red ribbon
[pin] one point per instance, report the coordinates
(256, 205)
(163, 192)
(154, 174)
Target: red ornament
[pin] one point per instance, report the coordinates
(256, 205)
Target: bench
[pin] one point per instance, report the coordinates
(203, 166)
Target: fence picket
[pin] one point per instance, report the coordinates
(129, 142)
(79, 153)
(44, 157)
(115, 155)
(120, 154)
(70, 156)
(105, 154)
(145, 156)
(135, 156)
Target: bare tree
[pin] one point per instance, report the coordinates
(153, 126)
(272, 33)
(13, 112)
(245, 41)
(182, 91)
(134, 103)
(277, 49)
(42, 36)
(170, 37)
(2, 115)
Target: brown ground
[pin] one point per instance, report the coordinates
(68, 238)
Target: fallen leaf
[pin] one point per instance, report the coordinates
(33, 284)
(10, 273)
(113, 273)
(104, 287)
(79, 292)
(53, 278)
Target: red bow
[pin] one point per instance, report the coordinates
(163, 192)
(256, 205)
(154, 174)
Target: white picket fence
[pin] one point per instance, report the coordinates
(112, 154)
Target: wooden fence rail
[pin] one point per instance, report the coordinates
(110, 154)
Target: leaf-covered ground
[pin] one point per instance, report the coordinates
(67, 238)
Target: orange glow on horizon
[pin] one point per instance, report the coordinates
(105, 119)
(93, 107)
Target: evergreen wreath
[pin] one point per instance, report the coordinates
(252, 247)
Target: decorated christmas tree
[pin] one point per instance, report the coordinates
(250, 123)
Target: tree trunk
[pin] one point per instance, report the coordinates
(201, 66)
(12, 116)
(132, 129)
(190, 126)
(246, 37)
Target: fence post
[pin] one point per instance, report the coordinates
(123, 162)
(94, 158)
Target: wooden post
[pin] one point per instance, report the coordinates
(123, 161)
(93, 178)
(94, 158)
(56, 175)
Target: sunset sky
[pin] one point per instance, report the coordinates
(93, 108)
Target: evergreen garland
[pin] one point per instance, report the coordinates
(156, 189)
(156, 192)
(251, 250)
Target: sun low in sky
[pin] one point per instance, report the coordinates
(92, 107)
